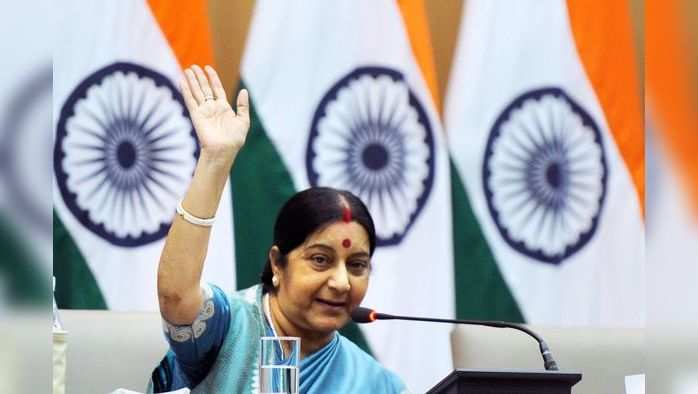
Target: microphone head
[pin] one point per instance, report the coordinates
(363, 315)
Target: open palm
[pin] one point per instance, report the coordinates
(219, 129)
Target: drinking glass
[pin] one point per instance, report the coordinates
(278, 365)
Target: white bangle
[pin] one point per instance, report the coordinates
(193, 219)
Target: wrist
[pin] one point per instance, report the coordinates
(207, 185)
(213, 170)
(217, 159)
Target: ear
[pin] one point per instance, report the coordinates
(274, 255)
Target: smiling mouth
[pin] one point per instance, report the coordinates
(334, 304)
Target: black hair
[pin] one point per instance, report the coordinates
(306, 212)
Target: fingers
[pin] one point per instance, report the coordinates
(194, 87)
(216, 84)
(243, 104)
(197, 86)
(203, 82)
(189, 99)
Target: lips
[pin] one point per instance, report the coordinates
(332, 303)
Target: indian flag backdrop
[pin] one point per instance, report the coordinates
(672, 201)
(545, 130)
(125, 149)
(341, 99)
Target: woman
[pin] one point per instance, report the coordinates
(316, 273)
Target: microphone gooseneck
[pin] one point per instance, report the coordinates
(367, 315)
(363, 315)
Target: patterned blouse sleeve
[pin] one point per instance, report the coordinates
(196, 346)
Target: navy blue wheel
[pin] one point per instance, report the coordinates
(371, 135)
(124, 153)
(545, 175)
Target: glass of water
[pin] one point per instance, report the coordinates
(278, 365)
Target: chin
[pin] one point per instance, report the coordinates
(329, 325)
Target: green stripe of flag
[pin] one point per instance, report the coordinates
(76, 287)
(481, 292)
(260, 184)
(23, 282)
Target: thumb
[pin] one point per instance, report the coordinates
(243, 104)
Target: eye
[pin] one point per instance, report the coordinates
(320, 260)
(358, 267)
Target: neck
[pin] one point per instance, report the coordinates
(310, 341)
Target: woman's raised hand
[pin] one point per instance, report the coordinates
(220, 130)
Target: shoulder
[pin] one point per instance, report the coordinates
(245, 307)
(249, 296)
(383, 377)
(241, 301)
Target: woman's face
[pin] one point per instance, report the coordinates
(325, 278)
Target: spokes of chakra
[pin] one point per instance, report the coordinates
(125, 151)
(372, 137)
(545, 175)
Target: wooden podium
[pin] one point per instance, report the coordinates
(468, 381)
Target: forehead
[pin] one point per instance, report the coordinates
(336, 232)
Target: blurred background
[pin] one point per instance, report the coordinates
(494, 221)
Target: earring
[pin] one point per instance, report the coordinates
(275, 281)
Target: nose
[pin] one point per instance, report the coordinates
(339, 281)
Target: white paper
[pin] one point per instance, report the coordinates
(635, 384)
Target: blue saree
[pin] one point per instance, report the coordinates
(219, 353)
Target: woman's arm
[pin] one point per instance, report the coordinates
(221, 133)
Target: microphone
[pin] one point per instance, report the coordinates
(366, 315)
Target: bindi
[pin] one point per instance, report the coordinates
(346, 243)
